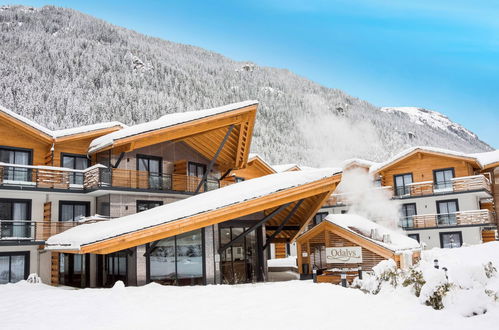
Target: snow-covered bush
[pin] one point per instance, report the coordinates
(415, 279)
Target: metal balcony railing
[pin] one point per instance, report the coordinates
(28, 230)
(460, 218)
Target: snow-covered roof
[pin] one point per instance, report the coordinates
(487, 158)
(377, 166)
(163, 122)
(79, 236)
(357, 161)
(63, 132)
(284, 167)
(363, 227)
(87, 128)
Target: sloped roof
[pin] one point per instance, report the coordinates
(487, 159)
(163, 122)
(362, 226)
(285, 167)
(432, 150)
(198, 211)
(55, 134)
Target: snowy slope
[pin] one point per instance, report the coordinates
(421, 116)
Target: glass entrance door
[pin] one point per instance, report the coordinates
(238, 262)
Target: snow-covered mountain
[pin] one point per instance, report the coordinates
(63, 68)
(425, 117)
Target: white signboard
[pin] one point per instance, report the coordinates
(344, 255)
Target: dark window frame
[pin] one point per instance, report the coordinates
(66, 202)
(19, 200)
(414, 236)
(141, 201)
(203, 245)
(443, 169)
(459, 233)
(149, 157)
(73, 174)
(395, 182)
(30, 152)
(189, 163)
(447, 201)
(26, 255)
(403, 208)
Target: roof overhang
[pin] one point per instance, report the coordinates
(472, 160)
(313, 194)
(25, 127)
(204, 135)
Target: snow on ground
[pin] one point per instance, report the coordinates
(282, 262)
(283, 305)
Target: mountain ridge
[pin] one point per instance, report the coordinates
(63, 68)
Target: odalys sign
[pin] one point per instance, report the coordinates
(344, 255)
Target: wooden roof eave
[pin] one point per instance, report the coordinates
(143, 236)
(85, 135)
(33, 132)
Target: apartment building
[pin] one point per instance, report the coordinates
(88, 206)
(446, 198)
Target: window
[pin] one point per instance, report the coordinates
(197, 170)
(402, 184)
(152, 165)
(319, 217)
(147, 205)
(451, 239)
(16, 156)
(75, 162)
(14, 266)
(442, 178)
(73, 211)
(414, 236)
(73, 270)
(15, 212)
(178, 259)
(408, 211)
(116, 268)
(447, 212)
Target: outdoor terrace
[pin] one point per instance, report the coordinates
(461, 218)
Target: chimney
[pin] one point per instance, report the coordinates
(374, 233)
(386, 238)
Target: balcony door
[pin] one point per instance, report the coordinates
(447, 212)
(16, 156)
(75, 162)
(73, 210)
(408, 211)
(196, 173)
(15, 214)
(443, 179)
(14, 266)
(402, 184)
(153, 166)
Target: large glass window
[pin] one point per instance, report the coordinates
(238, 262)
(14, 266)
(443, 179)
(152, 165)
(75, 162)
(73, 270)
(402, 184)
(447, 212)
(73, 211)
(147, 205)
(19, 157)
(178, 260)
(196, 169)
(408, 211)
(451, 239)
(15, 213)
(116, 268)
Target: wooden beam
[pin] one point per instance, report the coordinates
(283, 223)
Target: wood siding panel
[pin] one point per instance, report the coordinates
(422, 165)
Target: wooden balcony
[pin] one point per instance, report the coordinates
(99, 176)
(344, 199)
(462, 218)
(27, 230)
(461, 184)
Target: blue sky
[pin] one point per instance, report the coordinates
(439, 54)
